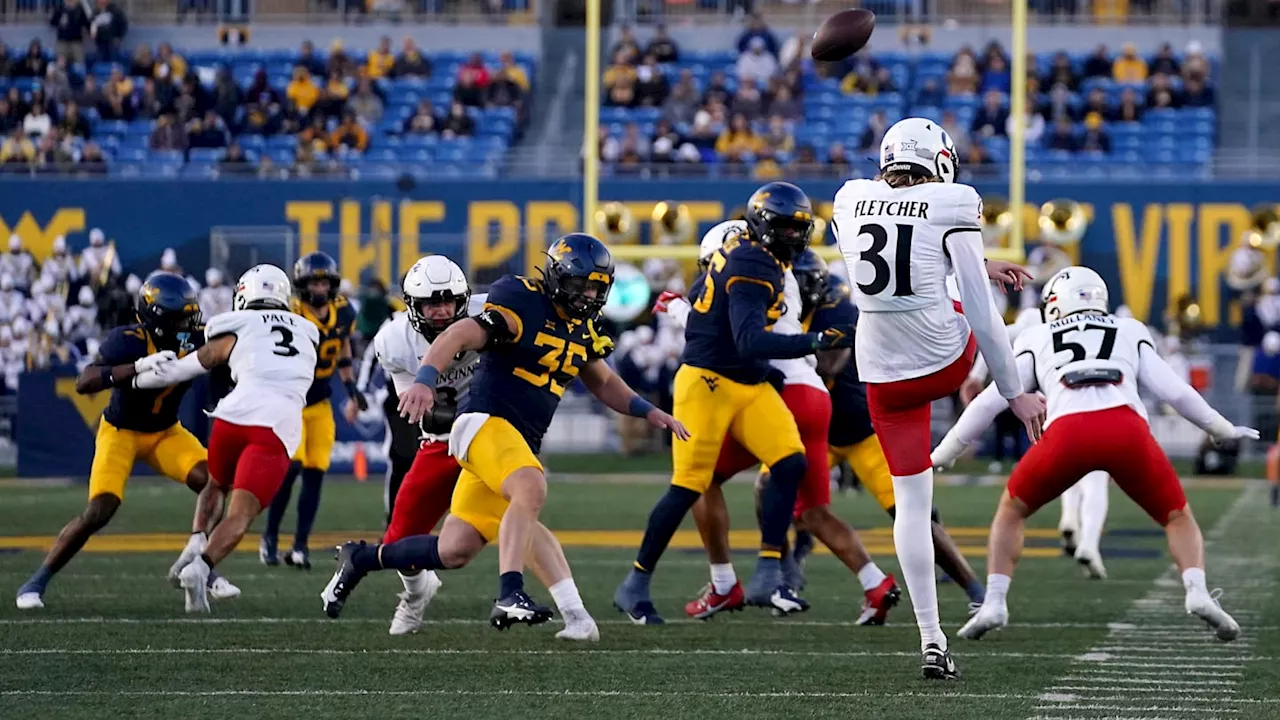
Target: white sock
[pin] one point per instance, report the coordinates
(196, 544)
(913, 540)
(1193, 580)
(414, 584)
(1094, 500)
(1070, 519)
(997, 589)
(723, 578)
(870, 576)
(565, 594)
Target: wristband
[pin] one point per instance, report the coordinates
(639, 407)
(427, 375)
(344, 363)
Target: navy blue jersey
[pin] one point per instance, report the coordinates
(144, 411)
(335, 329)
(710, 341)
(522, 380)
(850, 420)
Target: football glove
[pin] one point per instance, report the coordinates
(153, 361)
(834, 338)
(1225, 432)
(663, 303)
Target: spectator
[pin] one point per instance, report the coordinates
(33, 64)
(805, 161)
(17, 106)
(717, 90)
(619, 72)
(144, 63)
(147, 104)
(175, 66)
(216, 296)
(208, 132)
(996, 76)
(626, 45)
(877, 124)
(302, 92)
(315, 136)
(665, 142)
(57, 81)
(838, 164)
(1195, 93)
(662, 47)
(651, 84)
(1195, 64)
(73, 124)
(37, 123)
(1095, 138)
(1098, 64)
(931, 93)
(1160, 93)
(366, 104)
(89, 95)
(786, 106)
(92, 161)
(71, 26)
(458, 123)
(107, 27)
(757, 62)
(119, 82)
(1097, 102)
(959, 134)
(333, 97)
(749, 101)
(1060, 72)
(339, 62)
(81, 322)
(308, 59)
(349, 135)
(423, 121)
(963, 77)
(1063, 136)
(6, 122)
(992, 118)
(1129, 68)
(60, 264)
(682, 102)
(467, 91)
(474, 71)
(234, 163)
(1032, 128)
(1165, 62)
(227, 98)
(738, 138)
(6, 62)
(779, 137)
(794, 50)
(381, 61)
(411, 62)
(18, 264)
(509, 86)
(94, 259)
(1129, 109)
(756, 29)
(17, 152)
(168, 134)
(703, 134)
(622, 94)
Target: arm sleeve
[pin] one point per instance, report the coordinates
(1155, 375)
(747, 303)
(965, 248)
(678, 310)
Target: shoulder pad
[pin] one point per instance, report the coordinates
(340, 301)
(752, 260)
(295, 305)
(511, 289)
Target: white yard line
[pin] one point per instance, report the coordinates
(1146, 671)
(507, 693)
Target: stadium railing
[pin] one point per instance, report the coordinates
(503, 12)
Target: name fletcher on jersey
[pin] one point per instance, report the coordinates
(918, 209)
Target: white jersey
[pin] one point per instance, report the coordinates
(802, 370)
(1085, 362)
(400, 349)
(899, 245)
(272, 365)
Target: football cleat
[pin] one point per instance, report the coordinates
(1091, 562)
(784, 601)
(637, 606)
(709, 602)
(987, 618)
(936, 664)
(221, 588)
(878, 601)
(344, 580)
(578, 625)
(1204, 605)
(1069, 543)
(518, 607)
(30, 601)
(195, 586)
(298, 558)
(408, 617)
(267, 552)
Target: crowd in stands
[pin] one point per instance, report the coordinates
(767, 108)
(86, 108)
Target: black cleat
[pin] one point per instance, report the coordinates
(299, 558)
(344, 579)
(936, 664)
(518, 607)
(267, 552)
(1069, 543)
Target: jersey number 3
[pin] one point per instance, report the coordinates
(284, 346)
(874, 256)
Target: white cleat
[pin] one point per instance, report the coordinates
(30, 601)
(1204, 605)
(222, 589)
(1091, 562)
(579, 626)
(195, 586)
(195, 545)
(988, 618)
(408, 617)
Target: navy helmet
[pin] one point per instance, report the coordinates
(837, 290)
(316, 266)
(576, 263)
(780, 216)
(168, 309)
(811, 275)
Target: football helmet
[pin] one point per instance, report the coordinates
(316, 266)
(714, 240)
(168, 309)
(780, 217)
(434, 279)
(1073, 290)
(575, 263)
(920, 146)
(811, 275)
(263, 287)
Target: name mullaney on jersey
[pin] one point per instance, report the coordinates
(900, 208)
(1094, 318)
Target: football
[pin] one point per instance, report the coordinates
(842, 34)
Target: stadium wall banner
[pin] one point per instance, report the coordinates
(1154, 242)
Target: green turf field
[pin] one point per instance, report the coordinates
(114, 641)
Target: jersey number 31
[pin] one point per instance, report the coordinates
(874, 256)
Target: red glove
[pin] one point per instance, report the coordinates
(664, 299)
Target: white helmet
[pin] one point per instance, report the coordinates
(435, 279)
(263, 287)
(1072, 290)
(715, 237)
(919, 144)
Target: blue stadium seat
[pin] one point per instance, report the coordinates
(206, 155)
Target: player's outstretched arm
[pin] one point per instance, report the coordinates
(213, 354)
(96, 378)
(748, 299)
(973, 422)
(614, 392)
(491, 326)
(1155, 375)
(964, 245)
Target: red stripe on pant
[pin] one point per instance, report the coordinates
(425, 493)
(900, 412)
(811, 408)
(249, 458)
(1117, 441)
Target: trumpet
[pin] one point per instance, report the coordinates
(1265, 233)
(673, 224)
(819, 231)
(997, 221)
(1062, 222)
(615, 224)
